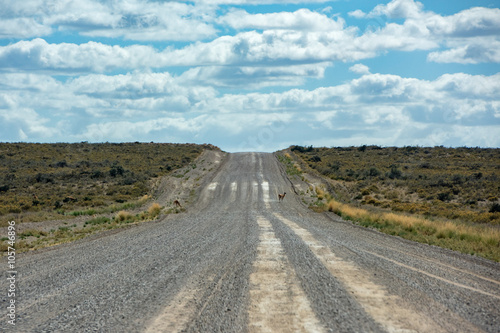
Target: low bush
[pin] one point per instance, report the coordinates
(123, 216)
(154, 210)
(98, 220)
(32, 233)
(495, 208)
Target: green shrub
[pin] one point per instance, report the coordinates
(495, 208)
(98, 220)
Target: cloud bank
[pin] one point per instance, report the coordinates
(225, 73)
(381, 108)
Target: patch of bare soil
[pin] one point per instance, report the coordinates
(309, 181)
(183, 185)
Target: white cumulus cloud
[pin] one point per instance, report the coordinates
(302, 19)
(360, 69)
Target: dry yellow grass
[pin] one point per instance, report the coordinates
(404, 220)
(154, 210)
(480, 239)
(320, 193)
(347, 210)
(123, 216)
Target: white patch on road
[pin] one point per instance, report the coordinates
(234, 189)
(207, 193)
(265, 192)
(388, 310)
(176, 316)
(277, 302)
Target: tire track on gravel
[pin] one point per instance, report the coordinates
(330, 301)
(388, 310)
(277, 303)
(461, 270)
(175, 317)
(456, 284)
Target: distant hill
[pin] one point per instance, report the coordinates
(456, 183)
(41, 181)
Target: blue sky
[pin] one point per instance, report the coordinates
(251, 75)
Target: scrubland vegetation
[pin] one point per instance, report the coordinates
(53, 181)
(442, 196)
(110, 185)
(34, 239)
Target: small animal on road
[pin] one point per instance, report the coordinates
(281, 196)
(177, 203)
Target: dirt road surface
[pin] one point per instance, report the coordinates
(239, 260)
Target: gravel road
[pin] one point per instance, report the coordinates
(241, 261)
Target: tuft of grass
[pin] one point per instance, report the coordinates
(83, 212)
(123, 216)
(113, 208)
(32, 233)
(98, 220)
(154, 210)
(292, 168)
(320, 193)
